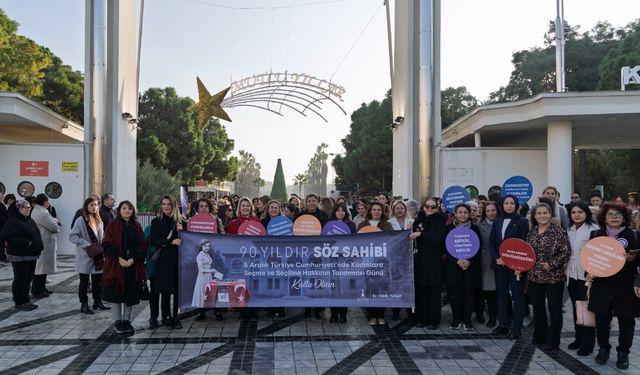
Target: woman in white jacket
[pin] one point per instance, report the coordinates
(86, 230)
(579, 232)
(49, 228)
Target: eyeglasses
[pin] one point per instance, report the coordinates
(614, 214)
(430, 206)
(575, 197)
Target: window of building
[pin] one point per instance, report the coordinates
(26, 189)
(53, 190)
(256, 284)
(277, 284)
(352, 283)
(236, 266)
(270, 284)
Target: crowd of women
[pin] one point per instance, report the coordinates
(125, 263)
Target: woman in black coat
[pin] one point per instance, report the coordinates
(614, 295)
(164, 236)
(429, 233)
(508, 225)
(462, 276)
(24, 245)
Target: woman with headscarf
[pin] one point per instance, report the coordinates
(508, 225)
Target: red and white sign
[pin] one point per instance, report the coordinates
(34, 168)
(517, 254)
(202, 223)
(252, 228)
(202, 183)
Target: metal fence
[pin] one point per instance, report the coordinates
(144, 218)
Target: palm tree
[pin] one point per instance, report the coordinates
(299, 180)
(259, 182)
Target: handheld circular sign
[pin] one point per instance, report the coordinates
(307, 225)
(518, 186)
(602, 256)
(335, 227)
(517, 254)
(453, 196)
(202, 223)
(280, 226)
(462, 243)
(369, 229)
(252, 228)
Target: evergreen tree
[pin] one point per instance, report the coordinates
(279, 189)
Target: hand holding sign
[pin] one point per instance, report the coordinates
(517, 255)
(252, 228)
(462, 243)
(453, 196)
(602, 257)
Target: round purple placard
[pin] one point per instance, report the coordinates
(335, 227)
(462, 243)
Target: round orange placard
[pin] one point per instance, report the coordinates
(602, 256)
(307, 225)
(369, 229)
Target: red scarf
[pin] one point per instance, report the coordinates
(113, 274)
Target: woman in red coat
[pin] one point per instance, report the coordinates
(245, 212)
(123, 276)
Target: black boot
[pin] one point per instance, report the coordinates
(100, 305)
(492, 322)
(623, 361)
(603, 356)
(84, 308)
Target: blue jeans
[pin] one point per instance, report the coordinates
(505, 281)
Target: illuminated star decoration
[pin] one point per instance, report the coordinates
(209, 105)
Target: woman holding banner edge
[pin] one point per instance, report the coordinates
(508, 225)
(429, 235)
(614, 295)
(462, 275)
(375, 217)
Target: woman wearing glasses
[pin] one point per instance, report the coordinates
(24, 245)
(614, 295)
(429, 234)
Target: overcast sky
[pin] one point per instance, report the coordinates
(183, 39)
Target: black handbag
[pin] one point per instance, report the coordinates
(144, 293)
(94, 250)
(155, 251)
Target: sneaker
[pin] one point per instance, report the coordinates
(128, 327)
(603, 356)
(468, 327)
(119, 327)
(623, 361)
(456, 326)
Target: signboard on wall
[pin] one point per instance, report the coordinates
(69, 166)
(34, 168)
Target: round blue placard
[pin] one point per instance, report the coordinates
(462, 243)
(335, 227)
(453, 196)
(518, 186)
(280, 226)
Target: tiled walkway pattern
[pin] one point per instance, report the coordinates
(57, 339)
